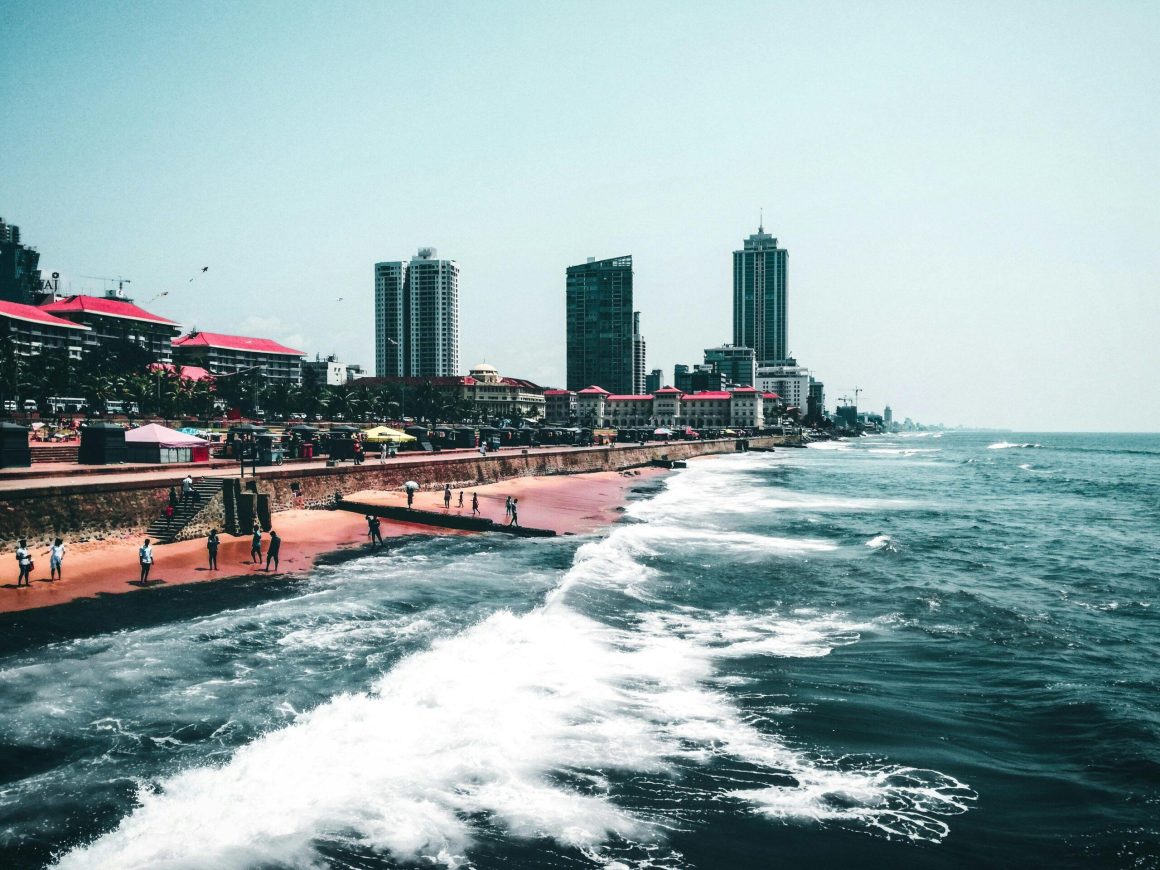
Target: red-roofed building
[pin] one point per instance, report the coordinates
(188, 373)
(222, 354)
(628, 411)
(31, 330)
(112, 320)
(496, 396)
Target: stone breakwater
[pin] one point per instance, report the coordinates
(84, 508)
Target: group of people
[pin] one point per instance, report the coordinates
(25, 562)
(511, 505)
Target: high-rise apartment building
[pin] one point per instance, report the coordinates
(19, 272)
(638, 356)
(603, 330)
(417, 317)
(759, 298)
(654, 380)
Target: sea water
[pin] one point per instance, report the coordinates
(935, 650)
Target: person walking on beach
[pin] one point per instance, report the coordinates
(24, 560)
(410, 498)
(376, 530)
(447, 496)
(507, 509)
(211, 544)
(55, 558)
(272, 550)
(187, 488)
(475, 504)
(515, 520)
(461, 499)
(256, 544)
(145, 557)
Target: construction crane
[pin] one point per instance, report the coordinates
(121, 282)
(857, 391)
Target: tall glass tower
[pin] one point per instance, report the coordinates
(759, 297)
(602, 338)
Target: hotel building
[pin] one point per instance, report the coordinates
(224, 354)
(417, 317)
(759, 297)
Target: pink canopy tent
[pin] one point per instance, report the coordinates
(155, 443)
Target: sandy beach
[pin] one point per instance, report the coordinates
(568, 504)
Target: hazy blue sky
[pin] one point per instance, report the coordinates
(969, 191)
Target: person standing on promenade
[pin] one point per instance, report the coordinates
(272, 550)
(211, 544)
(187, 488)
(55, 558)
(475, 504)
(383, 454)
(446, 496)
(145, 557)
(256, 544)
(515, 520)
(24, 560)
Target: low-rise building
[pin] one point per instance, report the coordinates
(494, 395)
(224, 354)
(788, 380)
(560, 406)
(111, 319)
(31, 330)
(329, 371)
(628, 411)
(590, 406)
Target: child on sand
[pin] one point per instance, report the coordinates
(145, 557)
(55, 558)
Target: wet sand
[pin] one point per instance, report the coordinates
(566, 503)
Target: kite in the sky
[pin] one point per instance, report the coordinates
(204, 269)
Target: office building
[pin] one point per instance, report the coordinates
(638, 355)
(788, 380)
(737, 364)
(601, 338)
(701, 378)
(759, 298)
(225, 354)
(19, 267)
(816, 403)
(417, 317)
(654, 380)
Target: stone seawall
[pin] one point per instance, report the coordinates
(96, 509)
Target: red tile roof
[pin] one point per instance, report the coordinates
(189, 373)
(708, 394)
(669, 390)
(744, 390)
(770, 396)
(104, 307)
(235, 342)
(627, 398)
(557, 392)
(34, 314)
(593, 390)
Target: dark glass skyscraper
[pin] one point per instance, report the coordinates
(19, 272)
(759, 297)
(600, 325)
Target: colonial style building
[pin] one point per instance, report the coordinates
(560, 406)
(590, 406)
(495, 395)
(224, 354)
(628, 411)
(111, 320)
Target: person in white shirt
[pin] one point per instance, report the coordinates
(55, 558)
(24, 560)
(145, 555)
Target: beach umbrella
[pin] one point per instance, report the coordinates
(662, 431)
(410, 486)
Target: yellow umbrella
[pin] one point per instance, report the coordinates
(386, 435)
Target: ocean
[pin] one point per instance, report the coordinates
(921, 650)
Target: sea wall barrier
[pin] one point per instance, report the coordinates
(90, 507)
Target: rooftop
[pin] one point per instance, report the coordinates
(34, 314)
(235, 342)
(104, 307)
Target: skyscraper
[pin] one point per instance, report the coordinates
(602, 339)
(417, 317)
(19, 275)
(759, 297)
(638, 356)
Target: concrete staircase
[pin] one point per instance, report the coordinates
(165, 531)
(55, 452)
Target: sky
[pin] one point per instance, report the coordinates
(968, 191)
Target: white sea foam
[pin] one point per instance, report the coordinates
(883, 542)
(500, 723)
(1008, 445)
